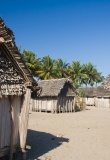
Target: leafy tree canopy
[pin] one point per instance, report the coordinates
(48, 68)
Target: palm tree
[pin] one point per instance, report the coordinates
(93, 75)
(99, 78)
(47, 68)
(31, 61)
(77, 72)
(61, 68)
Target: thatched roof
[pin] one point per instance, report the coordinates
(107, 82)
(88, 91)
(98, 91)
(7, 45)
(56, 87)
(102, 92)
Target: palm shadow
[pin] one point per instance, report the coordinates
(41, 143)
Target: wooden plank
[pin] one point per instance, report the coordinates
(4, 122)
(59, 104)
(7, 122)
(12, 130)
(24, 115)
(66, 104)
(17, 106)
(36, 105)
(63, 104)
(52, 106)
(74, 104)
(71, 104)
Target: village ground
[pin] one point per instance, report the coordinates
(82, 135)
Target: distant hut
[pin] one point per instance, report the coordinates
(15, 92)
(57, 95)
(103, 97)
(96, 96)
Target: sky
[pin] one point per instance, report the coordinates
(73, 30)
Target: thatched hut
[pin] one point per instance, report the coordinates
(57, 95)
(96, 96)
(15, 92)
(103, 97)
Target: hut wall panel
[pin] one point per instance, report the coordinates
(35, 105)
(4, 122)
(106, 102)
(38, 104)
(71, 104)
(102, 102)
(53, 104)
(63, 104)
(20, 120)
(24, 119)
(16, 103)
(66, 105)
(49, 103)
(99, 102)
(32, 105)
(90, 101)
(44, 104)
(59, 104)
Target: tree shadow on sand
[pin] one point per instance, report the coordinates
(41, 143)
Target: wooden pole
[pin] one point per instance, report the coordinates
(12, 129)
(74, 100)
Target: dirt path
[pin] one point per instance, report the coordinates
(70, 136)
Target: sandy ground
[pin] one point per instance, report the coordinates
(82, 135)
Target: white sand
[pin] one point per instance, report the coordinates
(82, 135)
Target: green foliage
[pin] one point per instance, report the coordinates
(61, 68)
(47, 68)
(77, 72)
(82, 94)
(31, 61)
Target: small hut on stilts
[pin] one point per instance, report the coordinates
(16, 84)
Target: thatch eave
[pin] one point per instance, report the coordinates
(53, 88)
(7, 43)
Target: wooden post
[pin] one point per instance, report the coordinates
(66, 104)
(53, 105)
(56, 106)
(45, 102)
(63, 104)
(59, 105)
(71, 104)
(12, 129)
(37, 99)
(74, 103)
